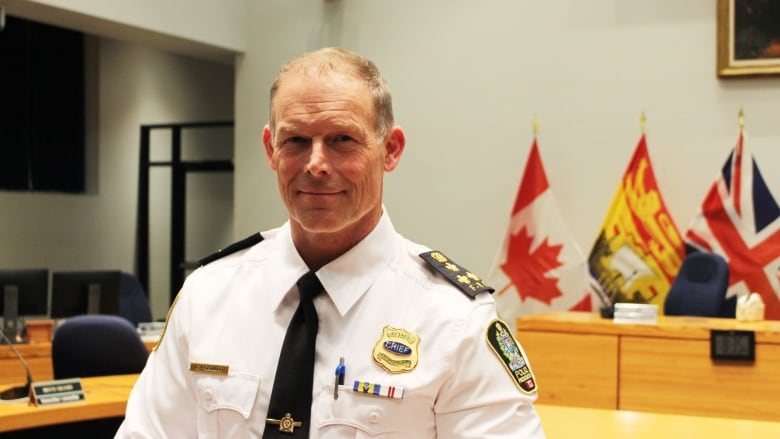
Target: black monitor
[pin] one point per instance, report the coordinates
(84, 292)
(25, 293)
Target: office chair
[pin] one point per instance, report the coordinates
(96, 344)
(92, 345)
(700, 287)
(133, 302)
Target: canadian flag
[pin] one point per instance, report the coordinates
(539, 267)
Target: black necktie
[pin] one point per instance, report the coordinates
(289, 411)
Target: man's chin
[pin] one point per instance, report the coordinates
(322, 222)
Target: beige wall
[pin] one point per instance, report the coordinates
(206, 28)
(135, 85)
(468, 77)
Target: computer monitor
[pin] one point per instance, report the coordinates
(25, 293)
(84, 292)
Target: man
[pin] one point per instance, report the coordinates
(407, 342)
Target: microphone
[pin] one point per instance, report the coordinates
(19, 391)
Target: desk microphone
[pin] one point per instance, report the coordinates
(19, 391)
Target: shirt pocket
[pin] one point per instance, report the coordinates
(226, 402)
(359, 415)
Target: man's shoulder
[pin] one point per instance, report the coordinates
(233, 248)
(441, 269)
(465, 280)
(253, 242)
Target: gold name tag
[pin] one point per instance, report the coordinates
(213, 369)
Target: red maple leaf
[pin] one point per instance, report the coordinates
(527, 269)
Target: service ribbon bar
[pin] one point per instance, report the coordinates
(378, 389)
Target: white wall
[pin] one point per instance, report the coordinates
(468, 77)
(145, 86)
(205, 28)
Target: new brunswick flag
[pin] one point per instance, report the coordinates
(638, 251)
(740, 220)
(539, 267)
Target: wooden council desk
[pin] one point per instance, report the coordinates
(104, 397)
(581, 359)
(38, 358)
(107, 397)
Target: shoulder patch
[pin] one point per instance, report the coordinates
(466, 281)
(167, 317)
(508, 350)
(232, 248)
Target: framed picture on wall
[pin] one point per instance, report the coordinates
(748, 37)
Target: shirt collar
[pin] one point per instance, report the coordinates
(346, 278)
(349, 276)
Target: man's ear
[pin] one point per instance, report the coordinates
(269, 146)
(395, 143)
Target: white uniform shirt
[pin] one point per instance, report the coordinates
(234, 312)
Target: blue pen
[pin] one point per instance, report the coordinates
(341, 370)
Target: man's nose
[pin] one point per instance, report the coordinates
(318, 159)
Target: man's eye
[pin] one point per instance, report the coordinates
(295, 140)
(343, 138)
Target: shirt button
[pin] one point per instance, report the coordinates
(373, 417)
(208, 395)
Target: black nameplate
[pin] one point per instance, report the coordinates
(732, 345)
(57, 391)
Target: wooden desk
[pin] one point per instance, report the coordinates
(560, 422)
(104, 397)
(107, 397)
(581, 359)
(38, 358)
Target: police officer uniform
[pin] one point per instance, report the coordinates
(419, 358)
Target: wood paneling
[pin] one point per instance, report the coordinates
(664, 367)
(668, 375)
(38, 358)
(575, 370)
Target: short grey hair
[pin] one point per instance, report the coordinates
(337, 59)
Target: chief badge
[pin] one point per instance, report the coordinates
(503, 344)
(397, 351)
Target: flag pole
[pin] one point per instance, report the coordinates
(535, 126)
(642, 122)
(741, 119)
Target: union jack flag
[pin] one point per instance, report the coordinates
(740, 220)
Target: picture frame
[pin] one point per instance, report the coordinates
(748, 38)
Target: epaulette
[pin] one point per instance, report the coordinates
(232, 248)
(466, 281)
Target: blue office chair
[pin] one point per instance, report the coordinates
(92, 345)
(96, 344)
(700, 287)
(133, 302)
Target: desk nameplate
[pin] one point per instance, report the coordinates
(57, 391)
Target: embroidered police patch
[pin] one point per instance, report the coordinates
(503, 344)
(466, 281)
